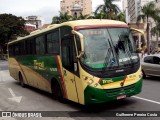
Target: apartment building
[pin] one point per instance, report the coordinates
(125, 9)
(133, 8)
(75, 7)
(34, 20)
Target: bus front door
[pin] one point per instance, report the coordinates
(68, 54)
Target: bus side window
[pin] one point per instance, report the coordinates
(21, 48)
(53, 42)
(16, 49)
(10, 50)
(65, 56)
(40, 46)
(68, 53)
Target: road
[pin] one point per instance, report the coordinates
(31, 99)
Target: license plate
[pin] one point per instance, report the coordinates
(121, 97)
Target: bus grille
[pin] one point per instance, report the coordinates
(116, 91)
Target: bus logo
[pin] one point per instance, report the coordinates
(107, 81)
(38, 65)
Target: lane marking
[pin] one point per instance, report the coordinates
(11, 91)
(14, 98)
(146, 100)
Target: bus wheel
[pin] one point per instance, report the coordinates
(21, 80)
(144, 75)
(57, 92)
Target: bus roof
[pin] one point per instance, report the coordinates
(73, 24)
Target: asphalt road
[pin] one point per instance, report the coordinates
(15, 98)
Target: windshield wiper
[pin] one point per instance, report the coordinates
(128, 52)
(108, 57)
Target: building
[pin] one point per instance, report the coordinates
(134, 8)
(30, 27)
(34, 20)
(125, 9)
(75, 7)
(45, 26)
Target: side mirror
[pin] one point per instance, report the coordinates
(81, 41)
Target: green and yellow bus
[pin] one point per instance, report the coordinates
(85, 61)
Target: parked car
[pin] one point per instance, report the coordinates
(151, 65)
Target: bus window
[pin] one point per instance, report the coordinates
(68, 53)
(30, 46)
(22, 48)
(16, 47)
(65, 31)
(53, 42)
(40, 49)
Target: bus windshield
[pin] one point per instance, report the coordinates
(108, 47)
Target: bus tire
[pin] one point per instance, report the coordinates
(144, 75)
(21, 80)
(57, 92)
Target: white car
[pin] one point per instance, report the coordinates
(151, 65)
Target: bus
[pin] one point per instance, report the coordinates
(85, 61)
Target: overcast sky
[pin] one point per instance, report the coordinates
(44, 8)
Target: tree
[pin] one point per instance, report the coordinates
(148, 10)
(107, 10)
(64, 17)
(156, 29)
(10, 27)
(121, 17)
(82, 17)
(56, 20)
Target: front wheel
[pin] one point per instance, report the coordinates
(57, 92)
(144, 75)
(21, 81)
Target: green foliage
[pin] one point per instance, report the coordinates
(150, 10)
(108, 10)
(55, 20)
(10, 27)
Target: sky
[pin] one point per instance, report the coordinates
(46, 9)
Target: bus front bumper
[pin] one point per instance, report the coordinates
(94, 95)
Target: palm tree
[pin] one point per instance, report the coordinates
(64, 17)
(108, 9)
(55, 20)
(156, 29)
(82, 17)
(148, 10)
(121, 17)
